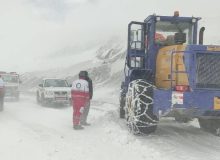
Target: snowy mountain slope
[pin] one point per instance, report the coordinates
(103, 63)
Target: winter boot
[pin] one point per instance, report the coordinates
(77, 127)
(85, 124)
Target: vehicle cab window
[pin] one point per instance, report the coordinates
(137, 62)
(167, 32)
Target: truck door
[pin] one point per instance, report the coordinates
(136, 45)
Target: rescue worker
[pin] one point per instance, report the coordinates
(158, 38)
(2, 93)
(80, 99)
(83, 120)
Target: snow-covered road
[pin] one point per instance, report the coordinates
(29, 131)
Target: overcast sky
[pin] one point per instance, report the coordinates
(32, 29)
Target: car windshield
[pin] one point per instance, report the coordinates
(166, 30)
(55, 83)
(10, 78)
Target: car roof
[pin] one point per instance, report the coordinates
(53, 78)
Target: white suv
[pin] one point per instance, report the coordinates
(53, 90)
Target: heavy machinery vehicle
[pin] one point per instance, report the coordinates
(169, 72)
(12, 84)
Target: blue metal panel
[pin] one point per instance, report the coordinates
(162, 100)
(182, 19)
(196, 48)
(203, 100)
(152, 49)
(170, 18)
(195, 28)
(199, 100)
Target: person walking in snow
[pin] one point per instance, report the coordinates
(80, 98)
(85, 113)
(2, 93)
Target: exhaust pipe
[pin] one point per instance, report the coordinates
(201, 33)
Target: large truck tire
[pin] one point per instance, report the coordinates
(139, 108)
(210, 125)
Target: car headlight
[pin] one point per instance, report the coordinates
(49, 93)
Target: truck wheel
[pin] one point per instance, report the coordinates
(182, 119)
(210, 125)
(42, 100)
(38, 98)
(139, 108)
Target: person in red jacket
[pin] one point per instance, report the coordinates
(80, 99)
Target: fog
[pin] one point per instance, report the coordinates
(32, 30)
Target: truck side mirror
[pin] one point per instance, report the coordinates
(180, 38)
(40, 85)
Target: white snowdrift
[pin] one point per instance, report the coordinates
(29, 131)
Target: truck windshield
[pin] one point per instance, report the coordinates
(55, 83)
(10, 78)
(166, 30)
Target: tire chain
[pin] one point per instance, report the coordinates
(134, 119)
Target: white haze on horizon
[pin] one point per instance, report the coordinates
(31, 30)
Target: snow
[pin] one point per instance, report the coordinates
(30, 131)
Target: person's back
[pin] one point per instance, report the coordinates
(80, 88)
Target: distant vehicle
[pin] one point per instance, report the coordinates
(53, 90)
(12, 84)
(2, 92)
